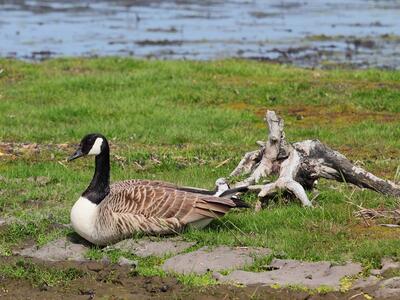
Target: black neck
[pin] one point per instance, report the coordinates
(99, 188)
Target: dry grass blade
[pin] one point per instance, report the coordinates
(223, 163)
(372, 214)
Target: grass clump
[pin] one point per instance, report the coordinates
(194, 280)
(39, 275)
(151, 266)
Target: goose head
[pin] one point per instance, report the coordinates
(91, 144)
(96, 144)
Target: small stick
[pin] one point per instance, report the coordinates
(223, 163)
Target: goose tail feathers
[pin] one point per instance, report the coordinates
(240, 189)
(239, 203)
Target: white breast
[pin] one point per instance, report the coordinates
(83, 218)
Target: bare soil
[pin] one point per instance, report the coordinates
(115, 282)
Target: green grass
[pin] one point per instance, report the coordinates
(177, 121)
(151, 266)
(39, 275)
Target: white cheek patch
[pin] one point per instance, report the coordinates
(96, 148)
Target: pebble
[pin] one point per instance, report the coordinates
(122, 261)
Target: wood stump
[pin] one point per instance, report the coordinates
(298, 166)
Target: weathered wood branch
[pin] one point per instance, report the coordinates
(299, 165)
(327, 163)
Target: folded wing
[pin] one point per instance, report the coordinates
(163, 201)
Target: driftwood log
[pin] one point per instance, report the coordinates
(298, 166)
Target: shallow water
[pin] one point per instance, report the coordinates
(309, 33)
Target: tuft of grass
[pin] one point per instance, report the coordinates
(38, 227)
(346, 283)
(194, 280)
(260, 263)
(312, 291)
(323, 289)
(151, 266)
(147, 266)
(39, 275)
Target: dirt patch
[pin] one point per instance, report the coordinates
(320, 115)
(14, 150)
(374, 232)
(142, 288)
(333, 116)
(373, 153)
(114, 282)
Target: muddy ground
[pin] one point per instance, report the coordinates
(115, 282)
(323, 33)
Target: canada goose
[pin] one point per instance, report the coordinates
(106, 213)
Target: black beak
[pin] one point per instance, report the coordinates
(78, 153)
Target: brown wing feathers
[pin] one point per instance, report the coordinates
(170, 185)
(160, 200)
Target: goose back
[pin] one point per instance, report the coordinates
(154, 208)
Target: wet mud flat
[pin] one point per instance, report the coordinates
(60, 268)
(99, 281)
(354, 33)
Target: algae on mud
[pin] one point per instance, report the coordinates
(111, 282)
